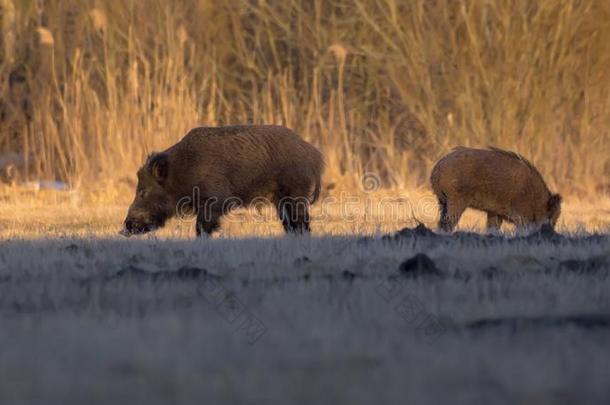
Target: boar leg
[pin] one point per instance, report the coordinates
(494, 222)
(294, 214)
(450, 215)
(302, 222)
(207, 222)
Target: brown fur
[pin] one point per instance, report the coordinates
(499, 182)
(212, 170)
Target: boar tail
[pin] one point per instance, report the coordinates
(316, 192)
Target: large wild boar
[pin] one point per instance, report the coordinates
(214, 169)
(499, 182)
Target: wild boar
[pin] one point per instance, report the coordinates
(499, 182)
(214, 169)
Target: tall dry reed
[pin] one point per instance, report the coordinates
(386, 86)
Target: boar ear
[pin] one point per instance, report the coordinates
(158, 165)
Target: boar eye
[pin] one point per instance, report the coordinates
(142, 193)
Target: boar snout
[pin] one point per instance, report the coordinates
(140, 221)
(134, 226)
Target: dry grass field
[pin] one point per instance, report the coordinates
(373, 306)
(348, 314)
(51, 214)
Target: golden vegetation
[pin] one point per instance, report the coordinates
(52, 214)
(384, 86)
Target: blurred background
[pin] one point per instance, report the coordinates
(88, 87)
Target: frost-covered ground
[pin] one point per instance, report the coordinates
(306, 320)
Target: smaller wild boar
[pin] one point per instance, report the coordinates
(215, 169)
(499, 182)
